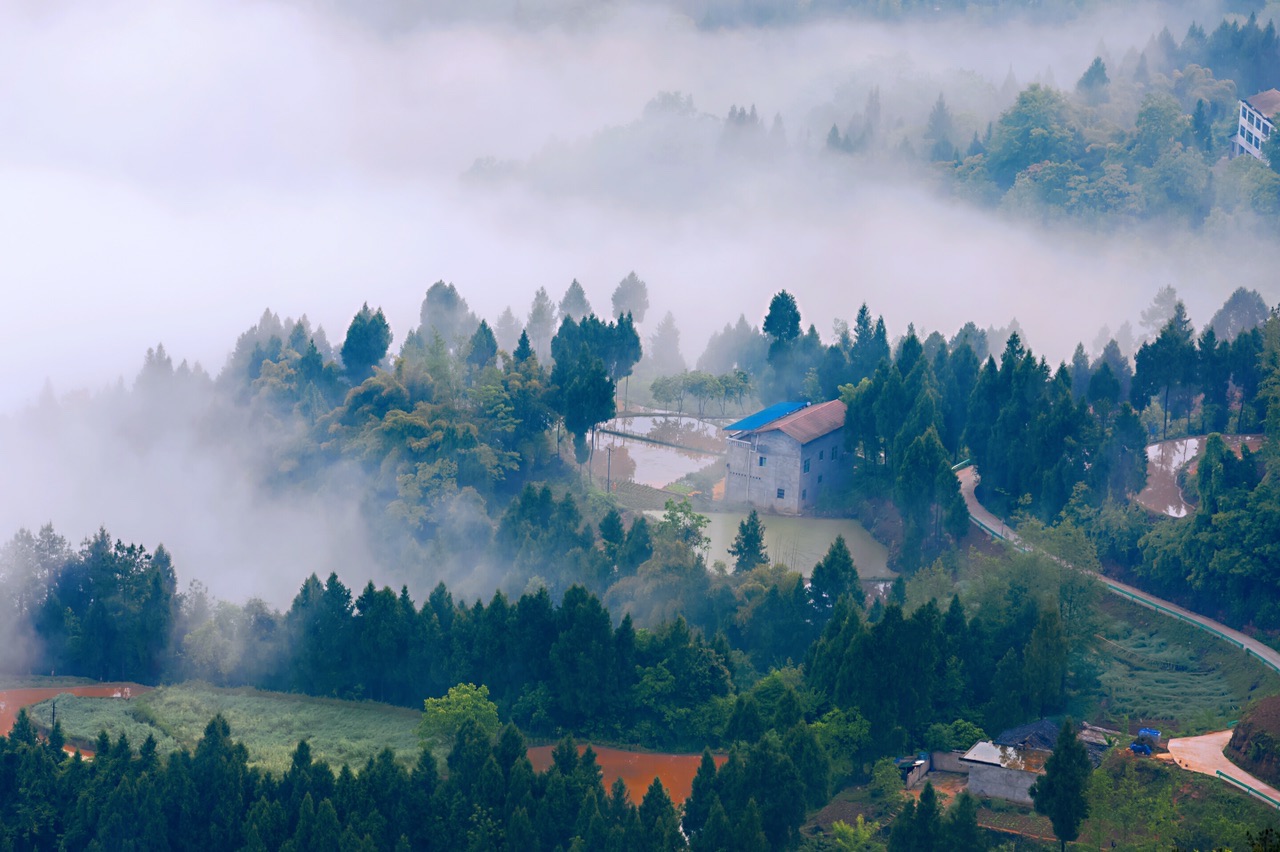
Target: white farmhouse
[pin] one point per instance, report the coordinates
(783, 458)
(1257, 123)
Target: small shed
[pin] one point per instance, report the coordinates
(913, 768)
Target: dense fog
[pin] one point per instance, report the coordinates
(173, 168)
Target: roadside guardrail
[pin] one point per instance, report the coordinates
(1253, 791)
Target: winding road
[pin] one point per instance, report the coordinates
(997, 528)
(1198, 754)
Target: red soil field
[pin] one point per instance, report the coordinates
(12, 700)
(637, 769)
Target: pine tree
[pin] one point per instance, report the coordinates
(1092, 85)
(702, 797)
(366, 344)
(748, 548)
(938, 132)
(483, 348)
(1060, 793)
(834, 577)
(574, 305)
(960, 831)
(631, 296)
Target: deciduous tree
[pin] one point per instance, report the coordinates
(443, 717)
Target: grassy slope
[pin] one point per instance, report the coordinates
(269, 724)
(1156, 668)
(1140, 803)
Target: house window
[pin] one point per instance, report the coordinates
(782, 492)
(762, 460)
(835, 452)
(819, 479)
(806, 465)
(804, 495)
(820, 452)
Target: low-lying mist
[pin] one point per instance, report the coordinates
(173, 168)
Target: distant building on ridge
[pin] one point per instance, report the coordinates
(781, 459)
(1257, 123)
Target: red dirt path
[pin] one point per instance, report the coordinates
(637, 769)
(12, 700)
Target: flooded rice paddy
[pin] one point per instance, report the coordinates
(664, 449)
(1162, 494)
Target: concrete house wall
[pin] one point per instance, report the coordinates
(949, 761)
(825, 468)
(999, 782)
(760, 466)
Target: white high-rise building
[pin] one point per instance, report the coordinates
(1257, 123)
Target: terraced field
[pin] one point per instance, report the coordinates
(1157, 668)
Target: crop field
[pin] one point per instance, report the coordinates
(269, 724)
(1152, 667)
(83, 718)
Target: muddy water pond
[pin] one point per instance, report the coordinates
(637, 769)
(1164, 459)
(800, 543)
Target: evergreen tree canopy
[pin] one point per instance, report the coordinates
(1061, 793)
(748, 550)
(366, 344)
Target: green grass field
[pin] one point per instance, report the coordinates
(1153, 667)
(270, 724)
(39, 682)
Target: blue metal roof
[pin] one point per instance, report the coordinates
(765, 415)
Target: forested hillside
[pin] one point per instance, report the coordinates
(610, 624)
(1013, 241)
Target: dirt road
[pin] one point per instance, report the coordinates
(1204, 755)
